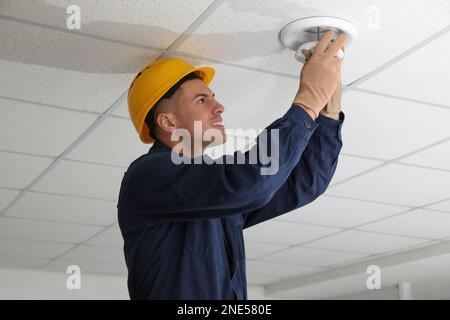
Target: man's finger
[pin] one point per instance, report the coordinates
(336, 46)
(324, 42)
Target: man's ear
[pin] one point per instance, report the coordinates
(166, 122)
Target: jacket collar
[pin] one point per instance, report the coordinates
(159, 146)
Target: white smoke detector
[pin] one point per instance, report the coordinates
(305, 33)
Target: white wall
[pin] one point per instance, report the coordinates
(35, 284)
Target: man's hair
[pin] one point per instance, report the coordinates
(150, 119)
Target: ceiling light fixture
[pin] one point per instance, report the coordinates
(305, 33)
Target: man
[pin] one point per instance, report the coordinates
(182, 223)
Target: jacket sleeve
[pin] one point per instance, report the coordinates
(310, 177)
(160, 190)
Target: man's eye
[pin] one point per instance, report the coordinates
(202, 99)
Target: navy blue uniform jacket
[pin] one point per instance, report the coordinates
(183, 224)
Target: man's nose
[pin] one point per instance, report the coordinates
(219, 108)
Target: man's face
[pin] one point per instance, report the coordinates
(197, 103)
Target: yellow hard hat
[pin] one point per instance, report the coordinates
(152, 82)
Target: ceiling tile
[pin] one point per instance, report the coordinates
(445, 206)
(122, 109)
(44, 124)
(246, 32)
(21, 262)
(63, 208)
(341, 213)
(397, 184)
(17, 171)
(95, 254)
(255, 249)
(258, 280)
(434, 157)
(429, 277)
(111, 237)
(349, 166)
(44, 230)
(417, 223)
(82, 179)
(280, 232)
(422, 75)
(6, 196)
(88, 267)
(152, 23)
(387, 128)
(312, 257)
(78, 72)
(364, 242)
(115, 142)
(29, 248)
(274, 269)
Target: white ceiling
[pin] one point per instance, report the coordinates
(65, 136)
